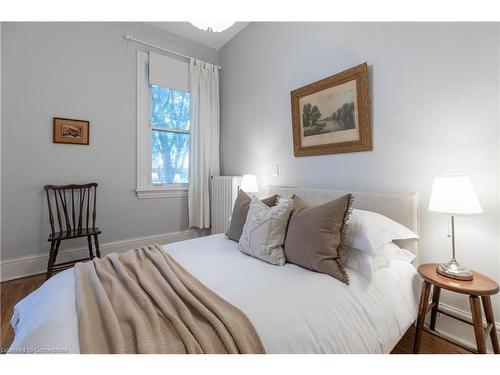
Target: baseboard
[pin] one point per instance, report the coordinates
(459, 331)
(35, 264)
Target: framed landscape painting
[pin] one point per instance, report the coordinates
(332, 115)
(70, 131)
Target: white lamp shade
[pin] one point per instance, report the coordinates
(249, 183)
(454, 195)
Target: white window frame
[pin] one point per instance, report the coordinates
(145, 188)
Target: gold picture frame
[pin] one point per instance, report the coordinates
(66, 130)
(332, 115)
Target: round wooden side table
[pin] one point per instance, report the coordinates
(480, 287)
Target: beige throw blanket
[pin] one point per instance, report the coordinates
(142, 301)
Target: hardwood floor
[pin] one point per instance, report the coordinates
(13, 291)
(430, 345)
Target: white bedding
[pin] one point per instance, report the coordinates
(293, 310)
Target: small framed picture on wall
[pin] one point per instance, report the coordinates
(71, 131)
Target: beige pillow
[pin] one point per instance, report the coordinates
(264, 231)
(314, 236)
(240, 211)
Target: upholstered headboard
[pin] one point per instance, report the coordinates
(400, 207)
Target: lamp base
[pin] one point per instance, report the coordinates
(454, 270)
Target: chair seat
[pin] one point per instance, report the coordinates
(84, 232)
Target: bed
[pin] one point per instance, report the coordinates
(306, 312)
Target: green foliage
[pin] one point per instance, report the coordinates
(310, 115)
(306, 115)
(345, 115)
(313, 130)
(315, 115)
(170, 109)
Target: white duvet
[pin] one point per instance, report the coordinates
(293, 310)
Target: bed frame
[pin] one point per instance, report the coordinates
(400, 207)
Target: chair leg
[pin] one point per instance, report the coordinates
(50, 264)
(96, 241)
(56, 251)
(422, 309)
(490, 319)
(91, 253)
(477, 320)
(436, 292)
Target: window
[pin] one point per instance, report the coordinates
(163, 123)
(169, 135)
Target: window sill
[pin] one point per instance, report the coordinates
(162, 193)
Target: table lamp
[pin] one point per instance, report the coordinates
(453, 195)
(249, 184)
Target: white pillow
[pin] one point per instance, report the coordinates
(264, 231)
(405, 256)
(369, 231)
(361, 261)
(367, 264)
(387, 253)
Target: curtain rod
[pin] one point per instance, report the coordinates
(130, 37)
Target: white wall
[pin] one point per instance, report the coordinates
(84, 71)
(0, 134)
(435, 109)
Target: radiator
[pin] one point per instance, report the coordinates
(223, 192)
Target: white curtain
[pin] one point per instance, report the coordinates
(204, 144)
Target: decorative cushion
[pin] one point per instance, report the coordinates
(264, 231)
(314, 236)
(240, 211)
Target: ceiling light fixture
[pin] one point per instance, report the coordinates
(212, 27)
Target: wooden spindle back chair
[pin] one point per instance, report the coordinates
(73, 209)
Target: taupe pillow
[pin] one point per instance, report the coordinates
(314, 236)
(240, 212)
